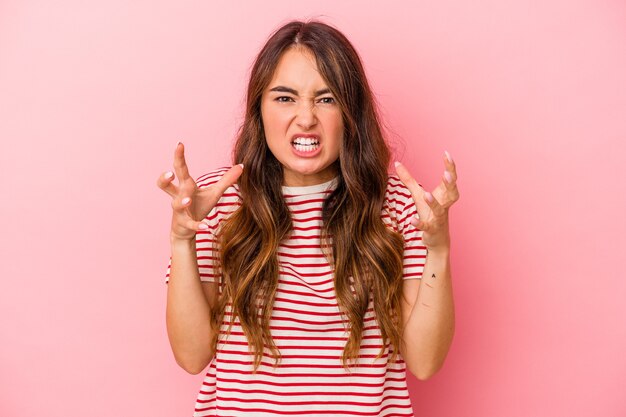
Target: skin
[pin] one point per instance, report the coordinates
(302, 111)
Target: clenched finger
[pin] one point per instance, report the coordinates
(434, 205)
(181, 203)
(452, 192)
(450, 166)
(165, 183)
(416, 190)
(194, 225)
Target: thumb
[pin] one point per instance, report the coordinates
(229, 178)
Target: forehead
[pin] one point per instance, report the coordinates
(297, 69)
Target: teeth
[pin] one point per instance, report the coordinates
(306, 147)
(306, 141)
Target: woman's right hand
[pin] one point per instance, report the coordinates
(190, 203)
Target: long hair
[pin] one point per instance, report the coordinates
(365, 255)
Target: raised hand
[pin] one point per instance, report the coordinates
(191, 204)
(432, 208)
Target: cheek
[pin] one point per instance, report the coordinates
(271, 116)
(275, 120)
(335, 129)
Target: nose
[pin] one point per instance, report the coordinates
(305, 116)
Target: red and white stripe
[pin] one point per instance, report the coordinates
(306, 324)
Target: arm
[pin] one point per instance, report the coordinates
(189, 301)
(428, 317)
(428, 305)
(188, 310)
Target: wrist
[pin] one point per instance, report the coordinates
(439, 251)
(177, 242)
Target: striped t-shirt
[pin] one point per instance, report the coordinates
(306, 324)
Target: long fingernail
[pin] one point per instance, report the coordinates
(186, 200)
(428, 196)
(447, 176)
(448, 157)
(169, 174)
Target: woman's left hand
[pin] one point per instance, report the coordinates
(432, 209)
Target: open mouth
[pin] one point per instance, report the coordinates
(305, 144)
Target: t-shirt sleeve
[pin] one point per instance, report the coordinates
(402, 211)
(205, 239)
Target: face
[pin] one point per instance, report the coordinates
(302, 121)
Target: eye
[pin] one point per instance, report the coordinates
(327, 100)
(283, 99)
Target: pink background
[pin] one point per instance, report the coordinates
(529, 97)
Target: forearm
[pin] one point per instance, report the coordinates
(188, 312)
(429, 330)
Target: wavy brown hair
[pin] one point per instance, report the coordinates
(362, 247)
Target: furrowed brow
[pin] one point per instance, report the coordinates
(283, 89)
(322, 91)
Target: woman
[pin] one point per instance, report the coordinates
(294, 274)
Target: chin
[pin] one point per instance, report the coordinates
(305, 169)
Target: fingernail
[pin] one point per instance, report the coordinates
(396, 164)
(179, 142)
(169, 174)
(186, 200)
(203, 226)
(241, 165)
(428, 196)
(447, 176)
(448, 157)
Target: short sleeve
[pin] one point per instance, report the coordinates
(401, 210)
(205, 239)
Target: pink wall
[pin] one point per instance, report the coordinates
(528, 97)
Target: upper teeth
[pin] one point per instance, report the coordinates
(306, 141)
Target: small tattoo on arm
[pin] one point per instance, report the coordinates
(427, 284)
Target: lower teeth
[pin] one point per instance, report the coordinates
(305, 148)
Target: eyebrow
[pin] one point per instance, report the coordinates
(284, 89)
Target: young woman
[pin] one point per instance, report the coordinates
(306, 277)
